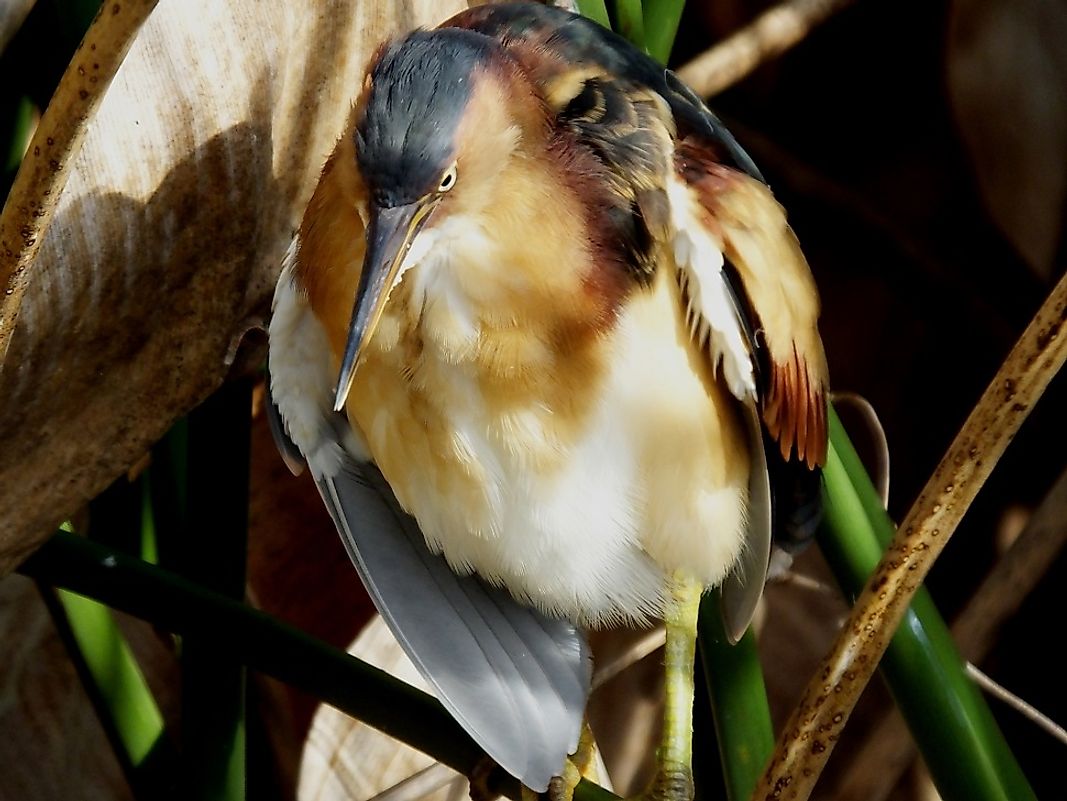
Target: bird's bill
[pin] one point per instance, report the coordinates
(389, 236)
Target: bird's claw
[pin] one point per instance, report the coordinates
(672, 783)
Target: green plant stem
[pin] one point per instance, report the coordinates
(661, 20)
(596, 10)
(953, 726)
(738, 701)
(17, 136)
(630, 22)
(149, 545)
(267, 645)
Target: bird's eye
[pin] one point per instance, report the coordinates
(448, 180)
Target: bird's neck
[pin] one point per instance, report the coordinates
(501, 312)
(518, 257)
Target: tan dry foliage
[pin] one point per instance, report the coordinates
(12, 14)
(1007, 80)
(168, 238)
(54, 745)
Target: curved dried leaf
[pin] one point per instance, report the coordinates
(61, 750)
(1007, 78)
(168, 238)
(12, 14)
(34, 197)
(344, 758)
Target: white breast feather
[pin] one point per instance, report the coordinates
(567, 540)
(576, 540)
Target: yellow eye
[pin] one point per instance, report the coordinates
(448, 180)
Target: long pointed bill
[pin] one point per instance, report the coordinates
(389, 236)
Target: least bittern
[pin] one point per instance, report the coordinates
(575, 338)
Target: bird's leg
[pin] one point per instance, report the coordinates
(561, 788)
(674, 771)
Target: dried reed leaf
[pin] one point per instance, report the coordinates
(167, 239)
(1007, 80)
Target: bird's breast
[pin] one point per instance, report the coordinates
(571, 466)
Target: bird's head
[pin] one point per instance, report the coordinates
(442, 111)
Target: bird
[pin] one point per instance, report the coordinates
(549, 347)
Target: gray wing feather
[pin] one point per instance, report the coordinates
(743, 588)
(516, 680)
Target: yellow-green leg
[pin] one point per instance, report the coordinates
(674, 770)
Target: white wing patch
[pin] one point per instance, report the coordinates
(712, 313)
(301, 378)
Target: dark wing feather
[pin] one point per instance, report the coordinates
(742, 589)
(623, 126)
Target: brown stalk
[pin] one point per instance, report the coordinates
(768, 36)
(1002, 592)
(888, 750)
(808, 738)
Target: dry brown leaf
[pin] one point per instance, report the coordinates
(168, 238)
(344, 758)
(12, 14)
(55, 746)
(1007, 79)
(60, 750)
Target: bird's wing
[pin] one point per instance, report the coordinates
(681, 180)
(630, 129)
(514, 679)
(722, 329)
(774, 286)
(580, 66)
(731, 238)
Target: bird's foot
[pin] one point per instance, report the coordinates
(561, 788)
(672, 783)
